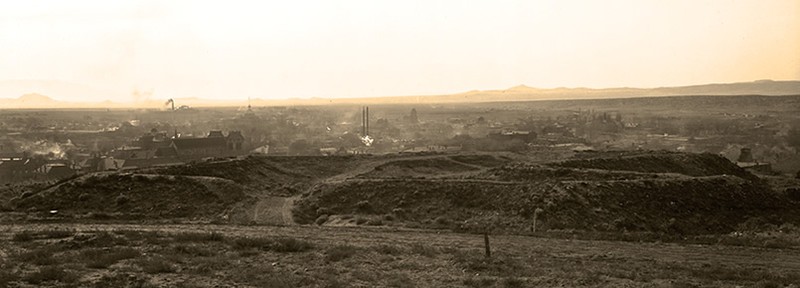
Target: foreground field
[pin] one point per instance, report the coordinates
(112, 255)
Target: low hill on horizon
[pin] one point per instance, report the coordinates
(517, 93)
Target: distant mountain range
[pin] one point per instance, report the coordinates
(517, 93)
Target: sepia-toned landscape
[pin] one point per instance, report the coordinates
(399, 144)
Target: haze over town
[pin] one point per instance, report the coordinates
(133, 51)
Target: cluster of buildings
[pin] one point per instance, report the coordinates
(152, 149)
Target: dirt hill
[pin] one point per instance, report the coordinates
(137, 196)
(658, 162)
(655, 192)
(284, 176)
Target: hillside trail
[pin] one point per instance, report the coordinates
(369, 166)
(277, 210)
(274, 210)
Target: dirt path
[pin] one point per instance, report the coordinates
(369, 166)
(273, 210)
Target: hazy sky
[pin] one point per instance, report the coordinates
(281, 49)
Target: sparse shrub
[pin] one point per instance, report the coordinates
(497, 265)
(149, 237)
(105, 239)
(7, 277)
(156, 266)
(388, 217)
(199, 237)
(443, 221)
(98, 259)
(768, 284)
(399, 281)
(99, 216)
(788, 228)
(209, 265)
(793, 193)
(361, 220)
(479, 282)
(249, 243)
(755, 224)
(42, 256)
(120, 280)
(57, 234)
(388, 249)
(364, 206)
(194, 251)
(513, 282)
(323, 211)
(122, 200)
(339, 253)
(321, 219)
(6, 206)
(23, 236)
(84, 197)
(51, 273)
(291, 245)
(400, 212)
(427, 251)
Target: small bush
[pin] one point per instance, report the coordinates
(249, 243)
(194, 251)
(364, 206)
(513, 282)
(106, 239)
(122, 200)
(498, 265)
(84, 197)
(291, 245)
(57, 234)
(427, 251)
(339, 253)
(120, 280)
(388, 249)
(479, 282)
(42, 256)
(156, 266)
(199, 237)
(399, 281)
(443, 221)
(24, 236)
(7, 277)
(321, 219)
(47, 274)
(98, 259)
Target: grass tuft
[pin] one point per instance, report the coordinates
(51, 273)
(156, 266)
(199, 237)
(339, 253)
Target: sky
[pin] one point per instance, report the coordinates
(130, 50)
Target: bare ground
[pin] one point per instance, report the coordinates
(424, 258)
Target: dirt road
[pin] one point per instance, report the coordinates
(273, 210)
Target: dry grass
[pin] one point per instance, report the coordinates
(366, 258)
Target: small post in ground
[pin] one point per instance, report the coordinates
(486, 243)
(536, 215)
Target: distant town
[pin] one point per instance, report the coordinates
(47, 145)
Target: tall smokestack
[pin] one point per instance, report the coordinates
(362, 120)
(367, 133)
